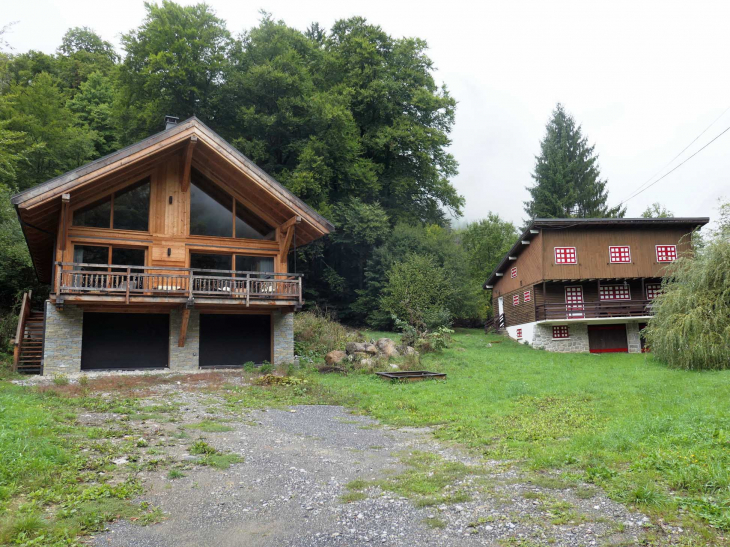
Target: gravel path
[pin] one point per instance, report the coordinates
(288, 492)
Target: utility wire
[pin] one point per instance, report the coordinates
(675, 157)
(675, 168)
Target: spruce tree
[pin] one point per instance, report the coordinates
(567, 177)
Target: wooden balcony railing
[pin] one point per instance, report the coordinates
(75, 278)
(594, 310)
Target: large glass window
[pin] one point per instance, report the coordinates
(211, 210)
(129, 208)
(91, 254)
(205, 261)
(254, 263)
(214, 212)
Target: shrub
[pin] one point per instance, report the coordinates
(691, 326)
(266, 368)
(316, 333)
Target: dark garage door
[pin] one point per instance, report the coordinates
(231, 340)
(125, 341)
(607, 338)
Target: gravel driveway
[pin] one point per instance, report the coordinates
(298, 463)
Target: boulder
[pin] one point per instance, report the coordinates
(360, 355)
(386, 346)
(334, 357)
(355, 347)
(367, 362)
(370, 349)
(408, 350)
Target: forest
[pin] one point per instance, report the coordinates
(349, 118)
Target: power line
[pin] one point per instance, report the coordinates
(677, 167)
(675, 157)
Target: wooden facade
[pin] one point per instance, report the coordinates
(179, 221)
(613, 266)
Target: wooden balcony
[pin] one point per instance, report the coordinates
(594, 310)
(128, 284)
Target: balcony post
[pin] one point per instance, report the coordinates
(248, 289)
(299, 281)
(129, 280)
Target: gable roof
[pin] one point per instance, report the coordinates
(567, 223)
(38, 208)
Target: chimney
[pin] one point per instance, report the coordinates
(170, 121)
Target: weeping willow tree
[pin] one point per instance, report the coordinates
(691, 326)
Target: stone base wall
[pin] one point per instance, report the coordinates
(632, 334)
(62, 346)
(577, 343)
(283, 325)
(188, 357)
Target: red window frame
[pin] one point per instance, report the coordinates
(519, 334)
(515, 299)
(513, 272)
(666, 253)
(614, 292)
(574, 302)
(561, 332)
(619, 254)
(566, 255)
(653, 290)
(526, 296)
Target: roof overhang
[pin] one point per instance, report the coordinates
(39, 207)
(539, 224)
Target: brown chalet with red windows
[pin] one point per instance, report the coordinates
(574, 285)
(170, 253)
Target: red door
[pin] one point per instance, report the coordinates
(574, 302)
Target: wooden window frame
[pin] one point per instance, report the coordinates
(115, 190)
(667, 251)
(609, 293)
(653, 288)
(561, 332)
(566, 254)
(228, 252)
(616, 254)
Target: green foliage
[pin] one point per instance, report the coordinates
(418, 291)
(656, 210)
(691, 325)
(316, 334)
(567, 182)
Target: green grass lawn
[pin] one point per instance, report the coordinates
(651, 436)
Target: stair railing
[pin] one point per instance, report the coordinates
(20, 332)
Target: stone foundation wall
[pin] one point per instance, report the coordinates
(185, 358)
(577, 343)
(62, 346)
(283, 325)
(632, 334)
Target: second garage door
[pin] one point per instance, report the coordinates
(231, 340)
(607, 339)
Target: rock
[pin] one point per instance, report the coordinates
(370, 349)
(355, 347)
(386, 346)
(394, 366)
(408, 350)
(334, 357)
(367, 362)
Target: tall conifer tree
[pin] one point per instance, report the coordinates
(567, 177)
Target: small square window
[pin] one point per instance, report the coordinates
(666, 253)
(565, 255)
(653, 290)
(561, 332)
(519, 334)
(614, 292)
(513, 273)
(515, 299)
(620, 255)
(527, 296)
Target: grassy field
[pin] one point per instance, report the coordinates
(653, 437)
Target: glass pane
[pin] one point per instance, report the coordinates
(96, 215)
(254, 263)
(211, 209)
(251, 226)
(128, 257)
(210, 262)
(132, 207)
(89, 254)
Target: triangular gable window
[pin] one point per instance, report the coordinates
(127, 209)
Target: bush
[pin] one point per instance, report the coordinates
(316, 334)
(691, 326)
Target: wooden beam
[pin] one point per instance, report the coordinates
(291, 222)
(513, 258)
(534, 231)
(188, 164)
(286, 242)
(525, 242)
(65, 200)
(184, 327)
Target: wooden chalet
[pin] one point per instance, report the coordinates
(170, 253)
(575, 285)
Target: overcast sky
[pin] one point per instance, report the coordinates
(642, 78)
